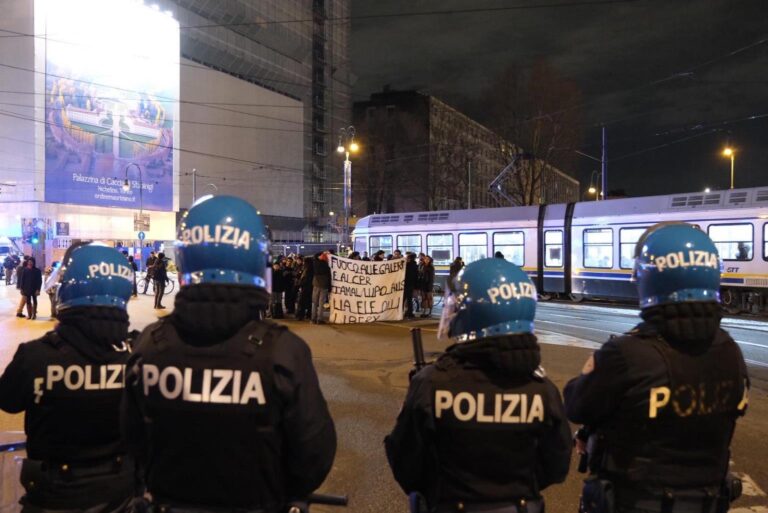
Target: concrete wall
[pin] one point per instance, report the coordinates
(260, 133)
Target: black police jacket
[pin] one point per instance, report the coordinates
(663, 413)
(69, 383)
(482, 424)
(241, 423)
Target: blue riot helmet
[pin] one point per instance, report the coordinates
(94, 275)
(222, 240)
(494, 297)
(674, 263)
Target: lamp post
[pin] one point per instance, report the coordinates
(127, 188)
(592, 185)
(346, 146)
(730, 152)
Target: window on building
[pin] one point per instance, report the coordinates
(410, 243)
(380, 242)
(598, 248)
(440, 248)
(360, 245)
(733, 241)
(512, 246)
(553, 248)
(473, 246)
(628, 238)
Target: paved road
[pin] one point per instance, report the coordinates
(363, 371)
(593, 323)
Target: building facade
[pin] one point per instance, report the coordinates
(419, 154)
(289, 47)
(254, 98)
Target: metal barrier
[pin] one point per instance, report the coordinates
(13, 447)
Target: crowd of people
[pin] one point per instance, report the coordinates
(301, 284)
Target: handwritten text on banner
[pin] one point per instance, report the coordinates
(366, 291)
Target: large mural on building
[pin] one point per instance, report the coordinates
(111, 99)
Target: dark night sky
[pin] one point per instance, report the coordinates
(614, 53)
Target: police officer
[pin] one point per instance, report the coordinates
(70, 383)
(483, 429)
(661, 401)
(224, 407)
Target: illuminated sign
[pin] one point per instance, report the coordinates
(111, 103)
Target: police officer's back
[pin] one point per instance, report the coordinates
(69, 383)
(661, 401)
(483, 427)
(224, 408)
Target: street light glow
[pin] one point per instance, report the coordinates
(727, 152)
(592, 189)
(126, 186)
(706, 190)
(353, 147)
(341, 149)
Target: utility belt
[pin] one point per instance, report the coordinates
(601, 496)
(520, 506)
(78, 484)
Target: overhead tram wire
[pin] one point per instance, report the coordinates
(161, 98)
(264, 165)
(187, 122)
(198, 66)
(435, 12)
(674, 76)
(205, 102)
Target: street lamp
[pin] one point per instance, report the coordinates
(730, 152)
(346, 146)
(594, 180)
(127, 186)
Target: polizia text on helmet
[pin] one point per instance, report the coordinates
(218, 234)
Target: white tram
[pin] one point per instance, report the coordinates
(584, 250)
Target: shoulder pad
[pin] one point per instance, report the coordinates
(540, 374)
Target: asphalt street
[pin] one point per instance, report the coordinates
(364, 374)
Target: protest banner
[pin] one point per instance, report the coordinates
(366, 291)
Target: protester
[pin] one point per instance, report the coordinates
(305, 290)
(150, 263)
(289, 283)
(278, 288)
(427, 283)
(321, 284)
(30, 284)
(135, 268)
(22, 300)
(159, 277)
(456, 267)
(410, 284)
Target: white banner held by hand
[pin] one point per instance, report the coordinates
(366, 291)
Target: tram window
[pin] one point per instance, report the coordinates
(410, 243)
(765, 241)
(380, 242)
(733, 241)
(512, 246)
(360, 244)
(440, 248)
(598, 248)
(628, 238)
(553, 248)
(473, 246)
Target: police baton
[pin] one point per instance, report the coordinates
(418, 351)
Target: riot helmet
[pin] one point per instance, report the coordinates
(676, 262)
(222, 240)
(494, 297)
(94, 275)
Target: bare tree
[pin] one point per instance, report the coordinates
(539, 113)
